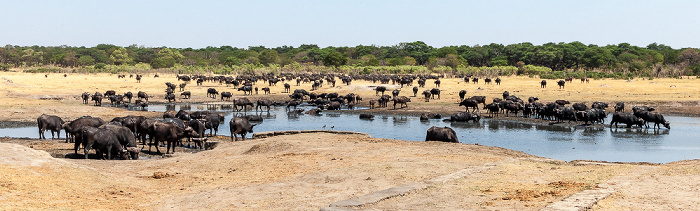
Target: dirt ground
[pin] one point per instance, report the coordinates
(312, 170)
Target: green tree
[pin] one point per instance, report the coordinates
(86, 60)
(267, 57)
(120, 56)
(334, 59)
(167, 58)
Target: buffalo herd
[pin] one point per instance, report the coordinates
(118, 138)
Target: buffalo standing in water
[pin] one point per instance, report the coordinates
(50, 122)
(445, 134)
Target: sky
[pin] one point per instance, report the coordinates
(198, 24)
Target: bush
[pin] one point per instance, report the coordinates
(5, 67)
(100, 66)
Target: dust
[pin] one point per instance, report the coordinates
(554, 189)
(268, 147)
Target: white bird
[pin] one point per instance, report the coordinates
(332, 126)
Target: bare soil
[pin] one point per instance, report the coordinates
(312, 170)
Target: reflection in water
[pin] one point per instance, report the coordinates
(466, 125)
(593, 131)
(170, 107)
(554, 140)
(212, 107)
(554, 128)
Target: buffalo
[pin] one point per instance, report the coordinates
(381, 89)
(142, 95)
(434, 92)
(52, 123)
(445, 134)
(427, 116)
(627, 119)
(198, 127)
(186, 94)
(561, 84)
(619, 107)
(226, 95)
(103, 141)
(263, 102)
(240, 126)
(128, 96)
(395, 93)
(402, 100)
(470, 103)
(243, 103)
(170, 133)
(543, 84)
(366, 116)
(461, 94)
(86, 97)
(126, 139)
(213, 122)
(211, 92)
(580, 106)
(170, 97)
(465, 117)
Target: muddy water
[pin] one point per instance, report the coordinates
(553, 141)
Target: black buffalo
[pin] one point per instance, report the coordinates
(465, 117)
(470, 103)
(263, 102)
(240, 126)
(52, 123)
(142, 95)
(170, 133)
(198, 136)
(561, 84)
(243, 103)
(462, 93)
(186, 94)
(402, 101)
(128, 96)
(126, 139)
(435, 92)
(211, 92)
(170, 97)
(627, 119)
(543, 84)
(103, 141)
(226, 95)
(428, 116)
(445, 134)
(212, 122)
(97, 98)
(619, 107)
(580, 106)
(366, 116)
(86, 97)
(379, 89)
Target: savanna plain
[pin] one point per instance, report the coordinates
(310, 171)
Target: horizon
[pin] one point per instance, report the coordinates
(242, 24)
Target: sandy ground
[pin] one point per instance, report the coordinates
(311, 171)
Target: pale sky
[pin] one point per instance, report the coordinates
(198, 24)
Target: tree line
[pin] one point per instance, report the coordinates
(652, 60)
